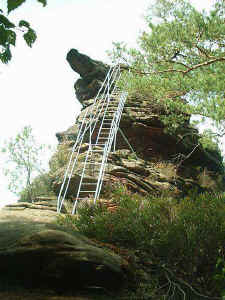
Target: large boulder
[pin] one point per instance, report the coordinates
(38, 253)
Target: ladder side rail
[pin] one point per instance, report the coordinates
(79, 136)
(114, 128)
(98, 113)
(102, 122)
(81, 180)
(104, 101)
(72, 169)
(110, 72)
(113, 131)
(90, 111)
(107, 149)
(109, 145)
(123, 135)
(108, 77)
(99, 101)
(104, 162)
(79, 139)
(106, 111)
(104, 95)
(102, 171)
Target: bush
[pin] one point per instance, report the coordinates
(186, 237)
(41, 186)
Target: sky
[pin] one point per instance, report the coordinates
(36, 87)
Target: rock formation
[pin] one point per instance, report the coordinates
(92, 74)
(165, 162)
(37, 253)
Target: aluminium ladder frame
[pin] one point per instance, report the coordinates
(103, 104)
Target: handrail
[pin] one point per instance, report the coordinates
(99, 113)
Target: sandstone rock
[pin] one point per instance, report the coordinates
(40, 254)
(92, 74)
(164, 162)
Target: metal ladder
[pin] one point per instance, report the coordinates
(100, 124)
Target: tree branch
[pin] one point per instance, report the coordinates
(206, 63)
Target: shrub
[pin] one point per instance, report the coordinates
(41, 186)
(186, 236)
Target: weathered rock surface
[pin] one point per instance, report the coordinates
(166, 162)
(92, 74)
(35, 252)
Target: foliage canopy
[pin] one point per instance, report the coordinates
(8, 30)
(180, 61)
(23, 160)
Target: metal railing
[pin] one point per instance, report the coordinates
(100, 124)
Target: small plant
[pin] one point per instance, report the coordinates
(40, 186)
(219, 276)
(182, 237)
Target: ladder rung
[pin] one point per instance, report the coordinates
(87, 191)
(92, 163)
(84, 183)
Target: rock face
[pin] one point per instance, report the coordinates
(37, 253)
(165, 162)
(92, 74)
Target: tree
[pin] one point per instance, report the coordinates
(8, 30)
(180, 62)
(23, 160)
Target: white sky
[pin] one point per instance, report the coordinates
(36, 87)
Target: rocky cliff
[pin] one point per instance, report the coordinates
(167, 162)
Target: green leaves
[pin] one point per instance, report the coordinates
(30, 36)
(7, 33)
(11, 37)
(4, 21)
(6, 55)
(180, 59)
(24, 23)
(13, 4)
(7, 38)
(44, 2)
(3, 36)
(23, 159)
